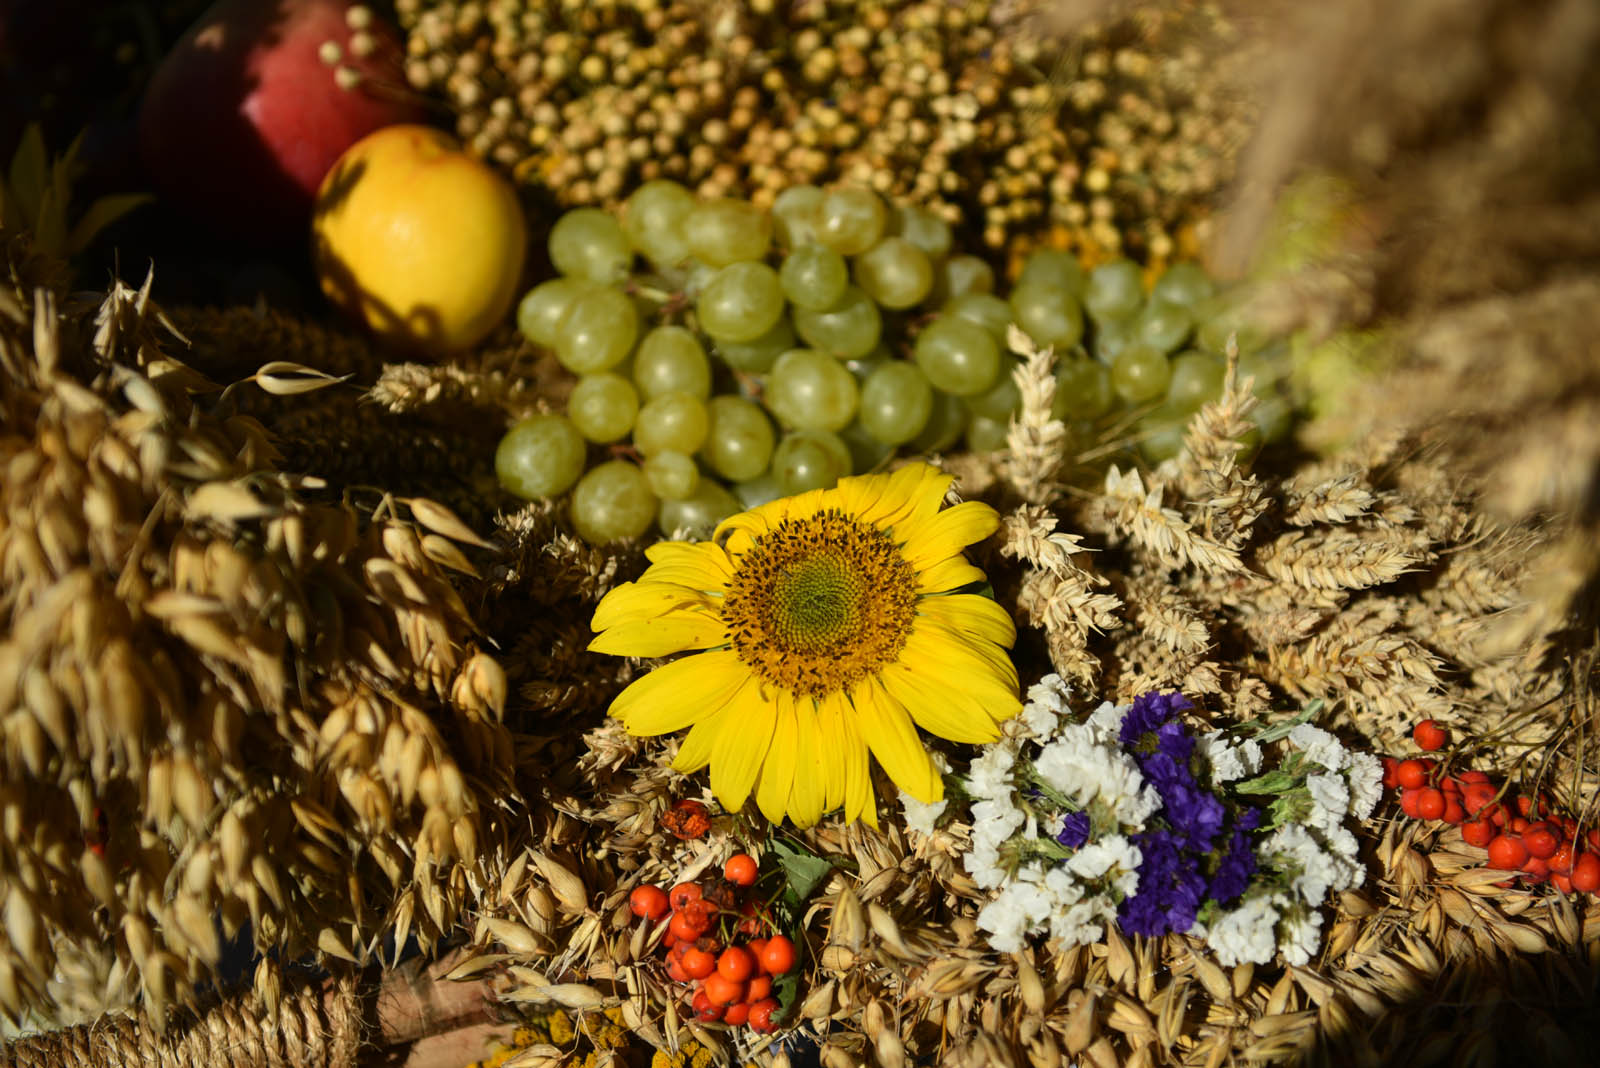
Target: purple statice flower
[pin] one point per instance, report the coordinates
(1171, 887)
(1149, 712)
(1074, 830)
(1187, 857)
(1238, 863)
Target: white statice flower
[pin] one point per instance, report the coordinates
(1084, 770)
(921, 816)
(1300, 935)
(1294, 848)
(1083, 923)
(1228, 762)
(1006, 920)
(1330, 796)
(1247, 933)
(1098, 857)
(1320, 747)
(1366, 784)
(982, 862)
(990, 774)
(1108, 718)
(1074, 918)
(1047, 702)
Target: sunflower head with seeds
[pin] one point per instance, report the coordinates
(822, 627)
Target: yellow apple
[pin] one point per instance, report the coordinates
(418, 240)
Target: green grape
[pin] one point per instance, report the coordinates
(741, 302)
(700, 512)
(1054, 268)
(896, 402)
(864, 366)
(652, 220)
(1196, 380)
(984, 309)
(1223, 317)
(960, 275)
(672, 422)
(1083, 390)
(814, 277)
(588, 243)
(895, 273)
(612, 501)
(923, 229)
(946, 424)
(1140, 374)
(1110, 338)
(959, 357)
(986, 435)
(1049, 314)
(671, 359)
(540, 456)
(1114, 291)
(1003, 398)
(808, 460)
(757, 357)
(866, 451)
(539, 314)
(754, 492)
(603, 406)
(849, 329)
(672, 475)
(810, 390)
(794, 216)
(851, 219)
(1161, 435)
(721, 232)
(1268, 366)
(739, 439)
(1161, 325)
(598, 331)
(1183, 284)
(1272, 416)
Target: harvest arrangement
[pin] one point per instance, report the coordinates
(849, 532)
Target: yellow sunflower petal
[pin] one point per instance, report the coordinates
(777, 773)
(948, 574)
(678, 694)
(888, 731)
(699, 743)
(908, 494)
(808, 795)
(699, 566)
(972, 614)
(675, 633)
(836, 754)
(942, 710)
(742, 746)
(961, 666)
(634, 602)
(946, 533)
(737, 532)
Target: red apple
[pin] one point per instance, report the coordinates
(253, 105)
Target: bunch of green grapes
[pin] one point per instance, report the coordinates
(759, 354)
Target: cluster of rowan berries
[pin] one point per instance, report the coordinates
(1522, 834)
(716, 941)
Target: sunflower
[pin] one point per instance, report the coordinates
(825, 626)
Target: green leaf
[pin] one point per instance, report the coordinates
(50, 226)
(30, 173)
(803, 871)
(1273, 782)
(101, 214)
